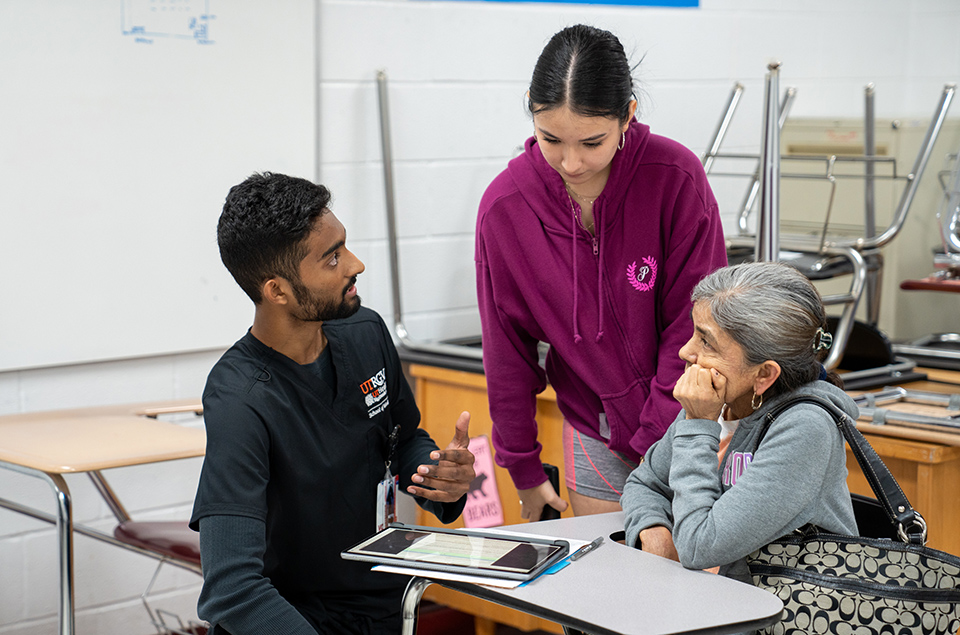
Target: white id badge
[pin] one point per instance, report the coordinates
(387, 500)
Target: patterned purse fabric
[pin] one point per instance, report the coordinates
(838, 584)
(831, 583)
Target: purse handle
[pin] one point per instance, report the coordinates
(910, 524)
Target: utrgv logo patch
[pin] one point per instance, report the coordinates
(375, 393)
(643, 278)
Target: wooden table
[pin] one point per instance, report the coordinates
(47, 445)
(927, 465)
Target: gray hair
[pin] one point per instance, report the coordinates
(773, 312)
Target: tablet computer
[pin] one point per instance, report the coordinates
(457, 551)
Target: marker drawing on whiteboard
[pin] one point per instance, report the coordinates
(148, 20)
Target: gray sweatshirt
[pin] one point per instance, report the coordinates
(798, 475)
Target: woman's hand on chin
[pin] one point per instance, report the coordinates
(701, 392)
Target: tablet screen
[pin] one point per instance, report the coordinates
(484, 553)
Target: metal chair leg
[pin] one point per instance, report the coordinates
(167, 622)
(411, 604)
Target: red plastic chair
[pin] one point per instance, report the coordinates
(172, 542)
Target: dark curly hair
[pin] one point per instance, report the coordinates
(264, 225)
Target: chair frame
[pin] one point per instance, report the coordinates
(862, 252)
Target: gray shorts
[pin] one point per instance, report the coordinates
(591, 468)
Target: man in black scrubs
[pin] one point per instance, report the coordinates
(310, 424)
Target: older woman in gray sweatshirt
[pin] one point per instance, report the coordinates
(711, 490)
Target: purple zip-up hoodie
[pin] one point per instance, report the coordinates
(615, 307)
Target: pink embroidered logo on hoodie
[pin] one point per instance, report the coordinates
(644, 277)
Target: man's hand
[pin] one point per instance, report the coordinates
(450, 479)
(659, 541)
(533, 500)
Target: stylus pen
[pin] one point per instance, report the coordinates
(584, 550)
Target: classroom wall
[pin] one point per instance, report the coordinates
(457, 73)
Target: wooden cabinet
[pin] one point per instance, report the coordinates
(929, 475)
(442, 394)
(925, 461)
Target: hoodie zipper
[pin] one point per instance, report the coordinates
(578, 210)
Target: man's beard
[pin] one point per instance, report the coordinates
(315, 309)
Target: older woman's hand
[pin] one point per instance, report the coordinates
(659, 541)
(701, 392)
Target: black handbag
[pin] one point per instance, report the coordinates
(884, 581)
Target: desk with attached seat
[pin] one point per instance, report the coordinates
(47, 445)
(619, 590)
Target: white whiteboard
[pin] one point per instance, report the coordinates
(123, 123)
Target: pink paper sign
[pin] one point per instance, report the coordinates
(483, 508)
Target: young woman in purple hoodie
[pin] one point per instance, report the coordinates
(590, 241)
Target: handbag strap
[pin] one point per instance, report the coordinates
(910, 524)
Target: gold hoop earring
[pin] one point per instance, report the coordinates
(623, 140)
(754, 403)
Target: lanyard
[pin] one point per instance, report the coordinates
(392, 441)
